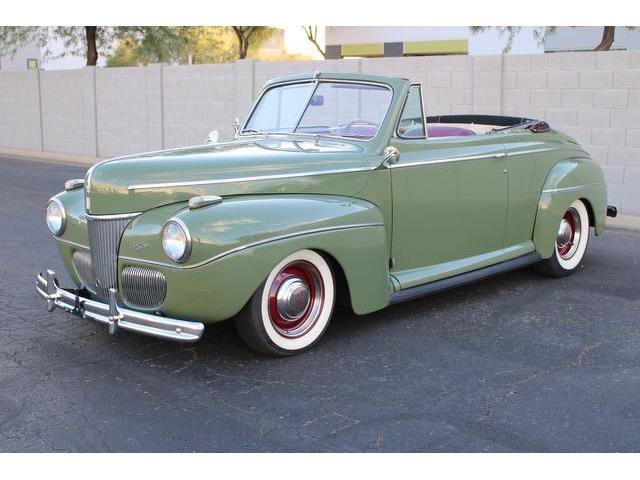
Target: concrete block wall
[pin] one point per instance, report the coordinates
(198, 99)
(594, 97)
(69, 111)
(128, 104)
(20, 110)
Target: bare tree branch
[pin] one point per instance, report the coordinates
(312, 35)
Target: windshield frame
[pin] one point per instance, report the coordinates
(243, 132)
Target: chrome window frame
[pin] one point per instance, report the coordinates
(317, 81)
(396, 134)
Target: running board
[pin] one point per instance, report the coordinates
(463, 278)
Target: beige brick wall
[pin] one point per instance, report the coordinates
(594, 97)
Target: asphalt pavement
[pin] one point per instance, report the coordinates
(518, 362)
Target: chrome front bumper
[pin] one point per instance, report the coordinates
(114, 316)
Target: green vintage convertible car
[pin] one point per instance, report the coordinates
(336, 187)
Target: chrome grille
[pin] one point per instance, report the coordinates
(104, 239)
(143, 287)
(82, 262)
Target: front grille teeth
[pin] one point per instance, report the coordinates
(143, 287)
(105, 233)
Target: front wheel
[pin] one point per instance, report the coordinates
(571, 242)
(290, 311)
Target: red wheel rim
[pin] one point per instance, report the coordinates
(296, 299)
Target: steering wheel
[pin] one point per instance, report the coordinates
(361, 122)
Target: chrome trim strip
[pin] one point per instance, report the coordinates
(316, 82)
(117, 216)
(477, 157)
(447, 160)
(576, 187)
(533, 150)
(112, 315)
(73, 244)
(246, 179)
(250, 245)
(424, 116)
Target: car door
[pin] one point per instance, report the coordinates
(449, 200)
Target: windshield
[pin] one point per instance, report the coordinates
(354, 110)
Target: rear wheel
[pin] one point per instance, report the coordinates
(571, 242)
(290, 311)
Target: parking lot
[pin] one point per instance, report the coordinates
(514, 363)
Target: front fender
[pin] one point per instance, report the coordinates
(569, 180)
(237, 242)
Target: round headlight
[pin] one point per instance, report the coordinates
(55, 216)
(176, 240)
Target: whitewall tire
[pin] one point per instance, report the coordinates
(292, 308)
(570, 243)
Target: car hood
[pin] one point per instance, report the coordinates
(264, 165)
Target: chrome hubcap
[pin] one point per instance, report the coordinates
(292, 299)
(564, 233)
(569, 234)
(296, 298)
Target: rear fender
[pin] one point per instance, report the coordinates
(569, 180)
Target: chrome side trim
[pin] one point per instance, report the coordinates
(247, 179)
(533, 150)
(576, 187)
(424, 115)
(447, 160)
(112, 315)
(73, 244)
(477, 157)
(250, 245)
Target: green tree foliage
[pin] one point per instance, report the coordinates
(87, 41)
(197, 45)
(144, 45)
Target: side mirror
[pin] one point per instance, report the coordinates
(317, 100)
(236, 125)
(391, 155)
(213, 137)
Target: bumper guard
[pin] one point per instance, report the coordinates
(114, 316)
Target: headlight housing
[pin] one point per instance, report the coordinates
(176, 240)
(55, 216)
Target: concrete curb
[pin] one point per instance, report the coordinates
(623, 222)
(49, 157)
